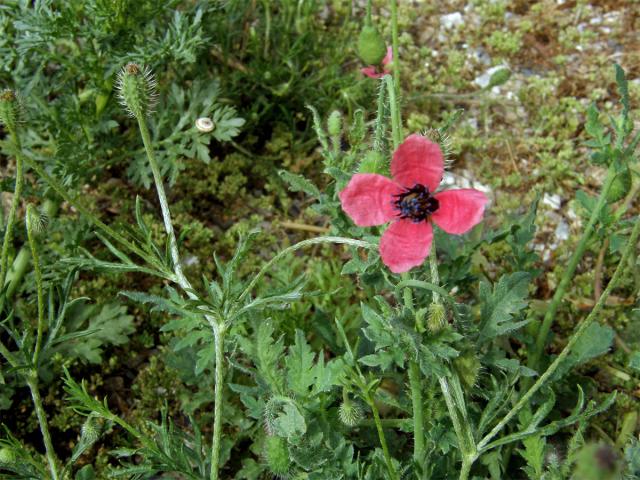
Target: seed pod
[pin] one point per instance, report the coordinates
(277, 455)
(136, 87)
(620, 186)
(350, 413)
(7, 456)
(371, 46)
(11, 109)
(437, 318)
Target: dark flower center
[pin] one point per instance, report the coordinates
(416, 203)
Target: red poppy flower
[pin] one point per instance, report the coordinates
(373, 71)
(409, 202)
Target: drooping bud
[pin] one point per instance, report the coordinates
(437, 318)
(444, 142)
(90, 431)
(36, 221)
(277, 455)
(350, 413)
(371, 46)
(11, 110)
(136, 87)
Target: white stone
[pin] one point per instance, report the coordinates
(451, 20)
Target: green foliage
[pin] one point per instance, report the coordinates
(502, 305)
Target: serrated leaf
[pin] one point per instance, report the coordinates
(502, 304)
(300, 368)
(298, 183)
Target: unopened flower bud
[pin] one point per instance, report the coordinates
(136, 88)
(350, 413)
(371, 46)
(90, 431)
(334, 124)
(7, 456)
(468, 367)
(204, 125)
(11, 110)
(277, 455)
(437, 318)
(36, 221)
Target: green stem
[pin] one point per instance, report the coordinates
(417, 403)
(396, 123)
(435, 276)
(32, 382)
(568, 275)
(383, 441)
(38, 275)
(17, 271)
(17, 192)
(367, 20)
(466, 469)
(394, 47)
(524, 400)
(164, 205)
(218, 334)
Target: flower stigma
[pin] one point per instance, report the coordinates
(416, 203)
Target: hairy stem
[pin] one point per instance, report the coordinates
(32, 382)
(567, 276)
(38, 275)
(383, 441)
(11, 218)
(394, 47)
(396, 123)
(415, 383)
(16, 273)
(164, 205)
(524, 400)
(217, 409)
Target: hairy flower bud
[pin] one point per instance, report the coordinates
(373, 162)
(350, 413)
(90, 431)
(277, 455)
(11, 109)
(136, 87)
(437, 318)
(36, 221)
(371, 46)
(468, 367)
(334, 124)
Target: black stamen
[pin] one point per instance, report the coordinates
(416, 203)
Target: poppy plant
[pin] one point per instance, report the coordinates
(373, 71)
(409, 201)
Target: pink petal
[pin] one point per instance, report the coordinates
(388, 58)
(372, 72)
(417, 160)
(405, 245)
(368, 199)
(459, 210)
